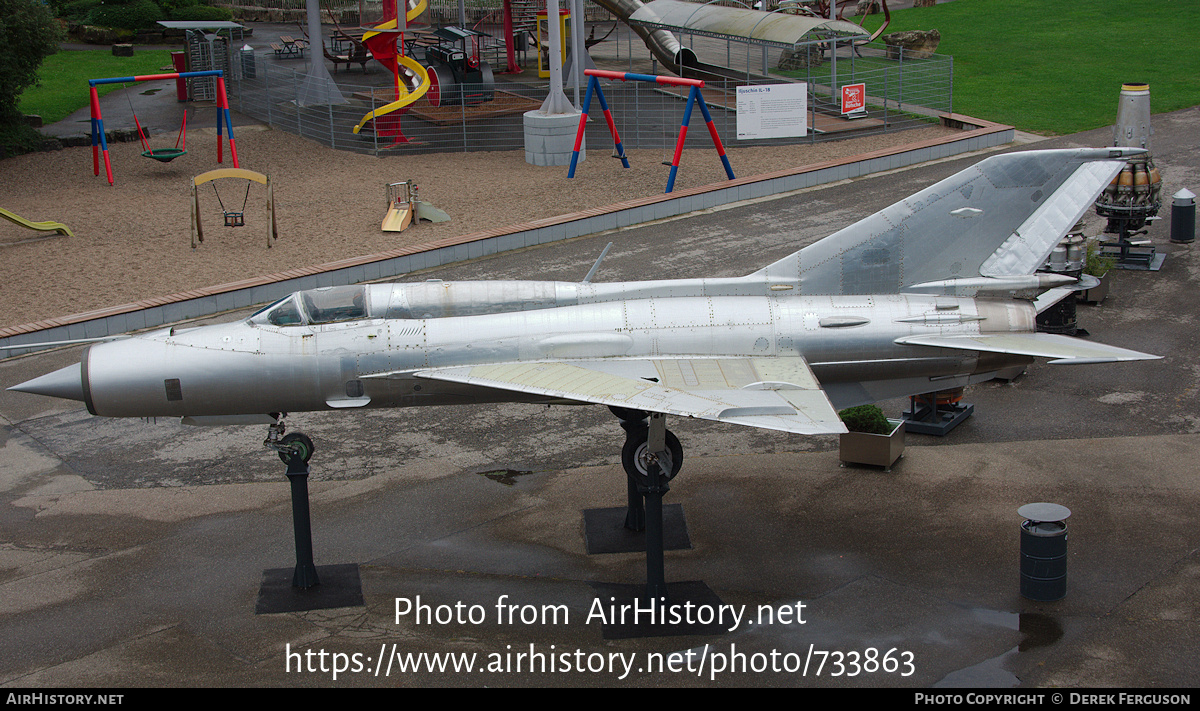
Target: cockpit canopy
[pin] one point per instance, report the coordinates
(316, 306)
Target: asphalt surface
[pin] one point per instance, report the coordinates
(133, 553)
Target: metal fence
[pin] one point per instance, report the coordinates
(902, 93)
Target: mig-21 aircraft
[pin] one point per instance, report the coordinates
(937, 291)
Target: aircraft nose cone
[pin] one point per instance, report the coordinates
(66, 383)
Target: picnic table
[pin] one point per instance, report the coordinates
(289, 46)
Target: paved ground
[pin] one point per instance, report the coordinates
(132, 554)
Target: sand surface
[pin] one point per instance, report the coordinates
(132, 240)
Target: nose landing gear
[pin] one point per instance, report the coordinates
(292, 446)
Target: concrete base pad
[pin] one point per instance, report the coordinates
(550, 138)
(340, 586)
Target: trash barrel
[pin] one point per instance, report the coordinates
(247, 53)
(1044, 551)
(1183, 217)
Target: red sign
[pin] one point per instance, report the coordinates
(854, 98)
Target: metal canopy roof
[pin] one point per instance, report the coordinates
(200, 25)
(767, 28)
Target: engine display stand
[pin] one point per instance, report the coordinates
(924, 417)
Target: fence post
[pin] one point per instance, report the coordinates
(887, 72)
(950, 99)
(267, 89)
(295, 96)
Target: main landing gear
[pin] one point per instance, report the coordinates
(651, 457)
(637, 456)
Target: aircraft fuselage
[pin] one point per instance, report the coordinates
(257, 366)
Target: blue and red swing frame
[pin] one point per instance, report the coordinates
(694, 97)
(100, 143)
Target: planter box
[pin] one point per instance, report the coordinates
(874, 449)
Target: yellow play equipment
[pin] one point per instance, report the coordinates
(400, 206)
(412, 80)
(47, 226)
(233, 218)
(405, 208)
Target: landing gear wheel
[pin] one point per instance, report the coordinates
(298, 444)
(635, 453)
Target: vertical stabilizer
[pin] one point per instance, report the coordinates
(999, 218)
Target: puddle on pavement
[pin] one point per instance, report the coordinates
(507, 477)
(1038, 630)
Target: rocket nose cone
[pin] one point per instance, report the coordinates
(66, 383)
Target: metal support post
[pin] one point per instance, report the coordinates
(656, 486)
(305, 575)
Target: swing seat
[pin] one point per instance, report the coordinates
(164, 155)
(235, 219)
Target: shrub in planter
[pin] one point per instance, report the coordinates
(866, 418)
(1098, 265)
(873, 439)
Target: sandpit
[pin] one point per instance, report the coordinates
(132, 239)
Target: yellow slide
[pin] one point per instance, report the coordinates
(406, 97)
(416, 7)
(398, 218)
(417, 82)
(47, 226)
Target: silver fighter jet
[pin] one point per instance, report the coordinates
(939, 290)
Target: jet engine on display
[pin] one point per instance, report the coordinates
(937, 291)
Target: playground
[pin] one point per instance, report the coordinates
(130, 240)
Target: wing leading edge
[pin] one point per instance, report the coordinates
(771, 393)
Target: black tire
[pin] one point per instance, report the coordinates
(304, 444)
(634, 452)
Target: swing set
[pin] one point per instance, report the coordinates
(233, 218)
(694, 98)
(163, 155)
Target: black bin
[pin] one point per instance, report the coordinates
(1044, 552)
(1183, 217)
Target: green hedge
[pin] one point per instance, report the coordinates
(202, 13)
(132, 16)
(78, 10)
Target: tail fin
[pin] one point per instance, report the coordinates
(997, 220)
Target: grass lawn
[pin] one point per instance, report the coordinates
(1057, 67)
(63, 79)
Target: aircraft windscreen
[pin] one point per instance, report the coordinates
(284, 312)
(335, 303)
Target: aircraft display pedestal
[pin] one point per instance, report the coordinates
(604, 531)
(617, 530)
(306, 587)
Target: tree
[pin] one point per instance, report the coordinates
(28, 34)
